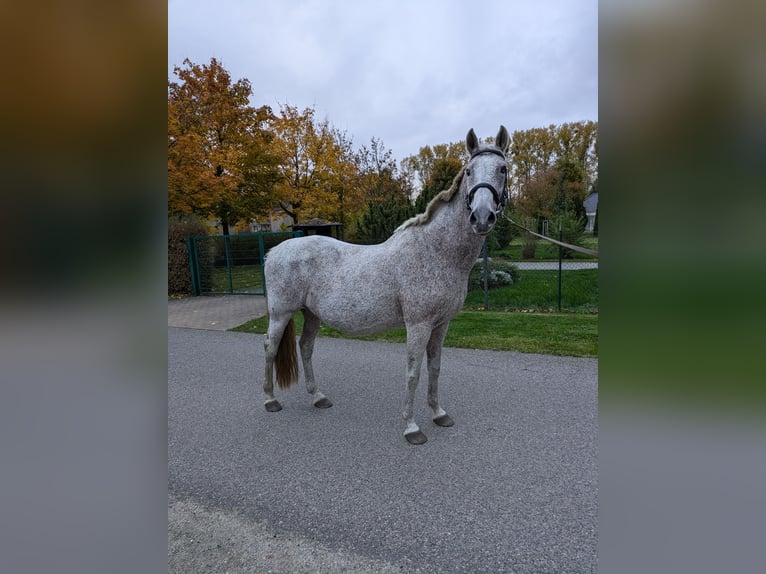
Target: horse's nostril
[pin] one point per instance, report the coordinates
(492, 218)
(472, 220)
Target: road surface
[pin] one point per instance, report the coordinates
(512, 487)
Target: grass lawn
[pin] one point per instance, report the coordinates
(243, 277)
(538, 290)
(546, 333)
(571, 334)
(545, 251)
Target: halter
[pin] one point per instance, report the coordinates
(500, 198)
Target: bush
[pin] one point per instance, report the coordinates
(500, 275)
(179, 229)
(529, 246)
(572, 228)
(528, 241)
(501, 235)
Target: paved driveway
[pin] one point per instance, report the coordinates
(512, 487)
(218, 313)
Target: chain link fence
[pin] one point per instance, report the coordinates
(503, 284)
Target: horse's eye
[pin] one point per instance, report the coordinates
(503, 169)
(468, 172)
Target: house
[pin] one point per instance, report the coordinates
(591, 206)
(318, 226)
(278, 221)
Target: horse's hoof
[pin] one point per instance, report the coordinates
(323, 403)
(444, 420)
(415, 437)
(273, 406)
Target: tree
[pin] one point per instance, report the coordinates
(381, 218)
(316, 165)
(537, 196)
(552, 168)
(571, 227)
(502, 234)
(218, 159)
(386, 191)
(378, 175)
(421, 166)
(532, 153)
(570, 188)
(442, 173)
(537, 150)
(346, 195)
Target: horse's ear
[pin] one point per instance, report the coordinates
(471, 142)
(502, 140)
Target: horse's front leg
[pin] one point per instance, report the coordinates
(417, 339)
(434, 354)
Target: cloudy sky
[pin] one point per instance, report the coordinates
(409, 72)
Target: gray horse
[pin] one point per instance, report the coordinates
(418, 278)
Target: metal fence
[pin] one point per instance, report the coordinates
(501, 283)
(231, 264)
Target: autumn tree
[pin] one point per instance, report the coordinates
(219, 164)
(378, 175)
(421, 166)
(578, 143)
(532, 153)
(552, 169)
(536, 198)
(316, 165)
(443, 172)
(387, 192)
(346, 198)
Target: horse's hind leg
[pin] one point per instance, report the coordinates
(310, 329)
(434, 354)
(276, 329)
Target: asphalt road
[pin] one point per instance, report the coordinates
(512, 487)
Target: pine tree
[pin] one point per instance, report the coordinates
(381, 219)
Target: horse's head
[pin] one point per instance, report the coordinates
(486, 181)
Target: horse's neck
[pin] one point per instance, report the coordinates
(452, 235)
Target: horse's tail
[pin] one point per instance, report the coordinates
(286, 360)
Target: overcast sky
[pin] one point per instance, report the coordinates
(409, 72)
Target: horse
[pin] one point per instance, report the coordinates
(417, 278)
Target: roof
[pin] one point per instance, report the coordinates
(317, 222)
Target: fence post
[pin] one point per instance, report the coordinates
(486, 276)
(228, 261)
(191, 248)
(262, 255)
(561, 255)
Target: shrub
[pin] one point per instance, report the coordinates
(501, 235)
(179, 229)
(572, 228)
(528, 241)
(500, 275)
(528, 247)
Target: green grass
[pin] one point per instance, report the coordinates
(538, 290)
(570, 334)
(549, 333)
(243, 277)
(545, 250)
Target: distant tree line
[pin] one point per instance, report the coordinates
(233, 162)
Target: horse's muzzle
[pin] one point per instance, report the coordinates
(482, 220)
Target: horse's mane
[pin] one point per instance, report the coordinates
(443, 196)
